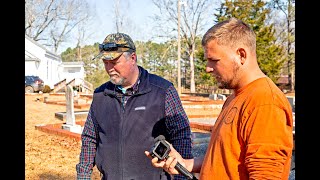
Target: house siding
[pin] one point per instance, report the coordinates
(41, 62)
(49, 66)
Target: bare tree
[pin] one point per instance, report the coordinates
(52, 21)
(123, 22)
(39, 15)
(117, 15)
(194, 14)
(83, 35)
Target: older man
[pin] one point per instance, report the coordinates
(125, 116)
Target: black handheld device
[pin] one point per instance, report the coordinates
(161, 150)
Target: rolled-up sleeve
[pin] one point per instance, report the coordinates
(269, 142)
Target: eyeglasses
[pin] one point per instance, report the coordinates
(112, 47)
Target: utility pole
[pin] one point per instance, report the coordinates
(179, 51)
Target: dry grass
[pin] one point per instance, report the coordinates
(48, 156)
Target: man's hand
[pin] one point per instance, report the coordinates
(169, 163)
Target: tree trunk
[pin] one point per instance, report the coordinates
(192, 83)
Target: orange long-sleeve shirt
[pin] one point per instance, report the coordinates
(252, 137)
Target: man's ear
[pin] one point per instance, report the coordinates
(134, 56)
(242, 54)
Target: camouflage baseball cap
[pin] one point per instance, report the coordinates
(114, 45)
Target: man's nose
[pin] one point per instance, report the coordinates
(209, 69)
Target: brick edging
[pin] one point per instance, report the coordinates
(56, 129)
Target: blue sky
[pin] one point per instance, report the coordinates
(137, 14)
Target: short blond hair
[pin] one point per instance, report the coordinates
(231, 32)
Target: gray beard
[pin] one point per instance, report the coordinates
(117, 82)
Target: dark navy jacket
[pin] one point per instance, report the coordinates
(124, 136)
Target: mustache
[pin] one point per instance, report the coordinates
(113, 74)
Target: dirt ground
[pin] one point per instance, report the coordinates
(47, 156)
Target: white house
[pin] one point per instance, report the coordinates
(49, 66)
(41, 62)
(72, 70)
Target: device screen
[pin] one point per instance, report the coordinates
(161, 149)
